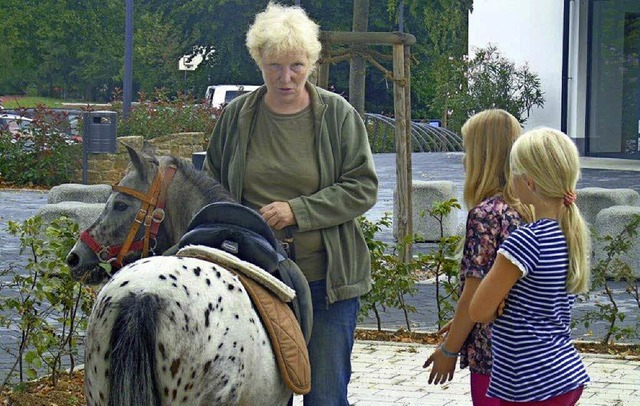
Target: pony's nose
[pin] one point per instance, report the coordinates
(72, 260)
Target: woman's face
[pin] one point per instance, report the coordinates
(285, 76)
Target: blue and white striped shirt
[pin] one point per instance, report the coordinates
(533, 355)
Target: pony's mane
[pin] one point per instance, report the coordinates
(211, 188)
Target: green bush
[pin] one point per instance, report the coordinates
(444, 262)
(40, 155)
(392, 278)
(42, 301)
(163, 116)
(615, 247)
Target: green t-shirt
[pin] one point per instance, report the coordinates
(282, 163)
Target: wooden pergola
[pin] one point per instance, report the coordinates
(401, 76)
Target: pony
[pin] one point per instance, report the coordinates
(167, 330)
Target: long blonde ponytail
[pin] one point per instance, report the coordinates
(551, 159)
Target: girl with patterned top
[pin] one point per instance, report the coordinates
(539, 269)
(494, 214)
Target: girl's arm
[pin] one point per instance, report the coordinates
(461, 326)
(493, 289)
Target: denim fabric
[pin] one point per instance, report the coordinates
(330, 347)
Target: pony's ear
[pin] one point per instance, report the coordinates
(139, 163)
(148, 149)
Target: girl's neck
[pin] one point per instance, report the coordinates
(549, 210)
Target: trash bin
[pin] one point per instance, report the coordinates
(197, 159)
(99, 131)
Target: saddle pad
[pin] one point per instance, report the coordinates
(289, 345)
(282, 291)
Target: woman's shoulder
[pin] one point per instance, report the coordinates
(332, 100)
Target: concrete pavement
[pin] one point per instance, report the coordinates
(391, 374)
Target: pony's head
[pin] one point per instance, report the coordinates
(136, 221)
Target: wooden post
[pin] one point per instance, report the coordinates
(402, 188)
(369, 38)
(402, 106)
(323, 69)
(407, 95)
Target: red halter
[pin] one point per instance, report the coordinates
(151, 214)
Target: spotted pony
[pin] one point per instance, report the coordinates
(168, 330)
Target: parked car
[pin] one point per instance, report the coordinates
(219, 96)
(14, 123)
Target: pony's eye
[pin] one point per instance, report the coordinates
(120, 206)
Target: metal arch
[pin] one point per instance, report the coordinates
(425, 138)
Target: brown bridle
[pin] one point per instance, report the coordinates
(151, 214)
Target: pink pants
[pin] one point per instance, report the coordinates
(566, 399)
(479, 386)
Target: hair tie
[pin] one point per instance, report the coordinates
(568, 199)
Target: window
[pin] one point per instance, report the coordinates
(614, 79)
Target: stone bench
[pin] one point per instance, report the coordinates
(80, 203)
(611, 221)
(424, 195)
(82, 213)
(79, 193)
(592, 200)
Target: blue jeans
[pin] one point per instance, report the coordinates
(330, 347)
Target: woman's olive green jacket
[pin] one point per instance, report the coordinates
(348, 181)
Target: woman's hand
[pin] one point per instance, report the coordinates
(443, 367)
(278, 215)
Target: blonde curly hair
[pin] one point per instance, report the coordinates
(283, 29)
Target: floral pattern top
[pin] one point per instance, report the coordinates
(488, 225)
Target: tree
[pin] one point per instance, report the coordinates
(358, 65)
(493, 81)
(437, 76)
(156, 51)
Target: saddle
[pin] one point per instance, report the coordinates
(268, 296)
(230, 228)
(241, 231)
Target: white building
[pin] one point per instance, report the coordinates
(587, 54)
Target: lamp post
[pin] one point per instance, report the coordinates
(128, 59)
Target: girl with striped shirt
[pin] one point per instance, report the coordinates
(538, 271)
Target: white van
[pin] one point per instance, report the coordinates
(220, 95)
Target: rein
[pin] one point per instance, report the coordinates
(151, 214)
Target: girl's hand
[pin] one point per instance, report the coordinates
(443, 367)
(445, 329)
(501, 306)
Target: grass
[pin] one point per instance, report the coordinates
(27, 102)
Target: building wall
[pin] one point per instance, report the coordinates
(525, 31)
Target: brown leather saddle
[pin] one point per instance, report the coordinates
(289, 345)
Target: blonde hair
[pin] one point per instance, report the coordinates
(551, 159)
(282, 29)
(487, 138)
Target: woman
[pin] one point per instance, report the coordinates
(494, 213)
(300, 156)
